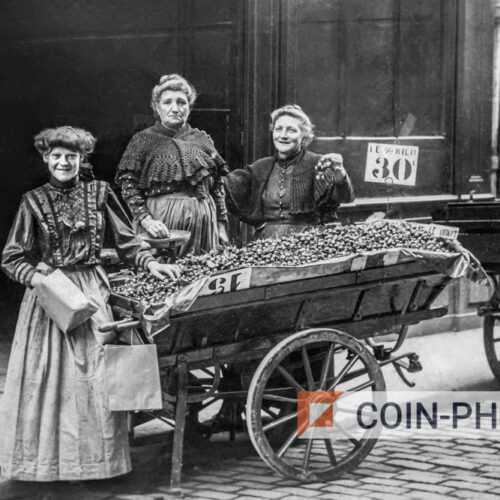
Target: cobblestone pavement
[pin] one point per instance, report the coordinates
(424, 469)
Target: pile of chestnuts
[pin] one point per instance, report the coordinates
(316, 244)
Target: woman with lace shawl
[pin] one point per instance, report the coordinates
(170, 173)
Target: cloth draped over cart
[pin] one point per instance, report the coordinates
(457, 264)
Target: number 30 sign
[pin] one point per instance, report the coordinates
(391, 163)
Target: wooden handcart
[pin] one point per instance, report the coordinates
(275, 331)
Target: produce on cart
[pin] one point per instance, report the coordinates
(297, 313)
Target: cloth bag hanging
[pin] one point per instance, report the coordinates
(62, 300)
(132, 377)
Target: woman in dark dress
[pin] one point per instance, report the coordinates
(293, 189)
(170, 174)
(55, 420)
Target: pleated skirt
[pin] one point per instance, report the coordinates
(55, 424)
(188, 213)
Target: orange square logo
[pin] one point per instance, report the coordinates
(315, 413)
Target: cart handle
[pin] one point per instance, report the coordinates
(119, 326)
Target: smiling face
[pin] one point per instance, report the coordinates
(63, 163)
(287, 136)
(173, 108)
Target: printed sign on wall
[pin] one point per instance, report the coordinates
(391, 164)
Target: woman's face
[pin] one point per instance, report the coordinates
(173, 108)
(63, 163)
(287, 136)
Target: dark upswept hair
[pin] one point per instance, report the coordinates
(68, 137)
(172, 82)
(296, 112)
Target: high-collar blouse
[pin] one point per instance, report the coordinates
(63, 225)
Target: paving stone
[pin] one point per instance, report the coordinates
(264, 493)
(228, 488)
(346, 482)
(465, 485)
(455, 463)
(299, 492)
(271, 479)
(385, 489)
(216, 495)
(254, 485)
(380, 467)
(387, 482)
(426, 495)
(342, 490)
(439, 450)
(470, 478)
(424, 477)
(383, 496)
(410, 464)
(365, 471)
(476, 449)
(468, 494)
(433, 488)
(416, 458)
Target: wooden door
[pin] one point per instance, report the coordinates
(378, 71)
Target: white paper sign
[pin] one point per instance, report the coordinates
(391, 164)
(440, 231)
(227, 282)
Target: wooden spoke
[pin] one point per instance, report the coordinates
(287, 444)
(354, 441)
(326, 367)
(358, 388)
(290, 378)
(307, 455)
(279, 422)
(331, 454)
(279, 399)
(307, 367)
(270, 413)
(343, 372)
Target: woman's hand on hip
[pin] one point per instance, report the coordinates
(155, 228)
(162, 271)
(335, 164)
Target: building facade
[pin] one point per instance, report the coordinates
(402, 72)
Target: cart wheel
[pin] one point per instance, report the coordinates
(312, 360)
(491, 335)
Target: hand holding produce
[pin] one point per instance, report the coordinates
(162, 271)
(332, 162)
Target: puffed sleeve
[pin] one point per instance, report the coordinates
(128, 177)
(329, 195)
(20, 245)
(238, 188)
(128, 245)
(219, 196)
